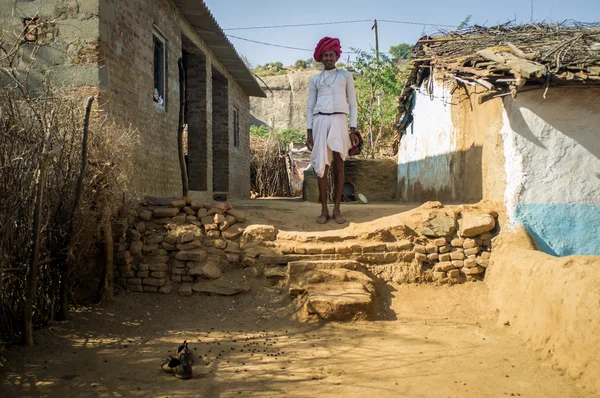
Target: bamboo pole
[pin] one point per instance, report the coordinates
(182, 166)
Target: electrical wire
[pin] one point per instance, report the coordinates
(299, 25)
(416, 23)
(269, 44)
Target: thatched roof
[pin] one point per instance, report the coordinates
(506, 58)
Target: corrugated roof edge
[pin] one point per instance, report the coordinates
(205, 24)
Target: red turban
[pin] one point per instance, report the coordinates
(327, 44)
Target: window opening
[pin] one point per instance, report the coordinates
(160, 67)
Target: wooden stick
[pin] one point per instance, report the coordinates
(107, 293)
(182, 166)
(32, 280)
(519, 53)
(485, 84)
(524, 67)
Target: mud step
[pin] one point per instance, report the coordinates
(344, 247)
(369, 258)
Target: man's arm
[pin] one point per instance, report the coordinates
(352, 103)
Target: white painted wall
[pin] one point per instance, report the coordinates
(552, 151)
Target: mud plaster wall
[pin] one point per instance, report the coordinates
(552, 150)
(453, 149)
(551, 302)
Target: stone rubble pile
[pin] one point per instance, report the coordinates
(183, 246)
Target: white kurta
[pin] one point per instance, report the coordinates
(330, 92)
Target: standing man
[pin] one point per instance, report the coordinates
(331, 98)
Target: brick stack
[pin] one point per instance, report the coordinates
(167, 247)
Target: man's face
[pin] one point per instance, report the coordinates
(328, 59)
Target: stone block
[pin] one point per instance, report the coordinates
(134, 281)
(143, 274)
(438, 224)
(471, 252)
(157, 259)
(191, 219)
(420, 249)
(179, 204)
(176, 278)
(214, 211)
(439, 275)
(154, 240)
(168, 246)
(165, 212)
(143, 267)
(457, 255)
(223, 226)
(233, 247)
(470, 263)
(458, 263)
(421, 257)
(485, 255)
(457, 242)
(179, 271)
(483, 262)
(179, 219)
(440, 242)
(233, 258)
(127, 274)
(445, 249)
(167, 288)
(214, 234)
(150, 289)
(469, 243)
(191, 255)
(486, 236)
(178, 264)
(201, 213)
(190, 245)
(473, 224)
(454, 273)
(219, 219)
(230, 219)
(187, 278)
(153, 282)
(258, 234)
(431, 249)
(135, 288)
(185, 237)
(239, 215)
(473, 271)
(444, 266)
(233, 232)
(145, 215)
(189, 211)
(134, 234)
(196, 205)
(433, 256)
(208, 242)
(445, 257)
(159, 267)
(185, 289)
(159, 275)
(220, 244)
(136, 248)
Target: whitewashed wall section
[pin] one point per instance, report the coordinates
(552, 151)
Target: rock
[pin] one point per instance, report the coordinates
(218, 287)
(469, 243)
(191, 219)
(454, 273)
(431, 249)
(483, 262)
(153, 282)
(134, 281)
(136, 248)
(438, 275)
(433, 256)
(178, 264)
(458, 263)
(470, 263)
(179, 271)
(457, 242)
(239, 215)
(143, 274)
(185, 237)
(154, 240)
(190, 245)
(189, 211)
(457, 256)
(211, 227)
(471, 252)
(202, 213)
(158, 267)
(145, 215)
(231, 220)
(445, 257)
(440, 242)
(232, 257)
(176, 278)
(179, 219)
(185, 289)
(420, 249)
(135, 288)
(143, 267)
(219, 219)
(180, 204)
(421, 257)
(158, 274)
(167, 246)
(141, 227)
(171, 239)
(150, 289)
(439, 224)
(196, 206)
(444, 266)
(165, 212)
(473, 224)
(134, 234)
(206, 220)
(473, 271)
(233, 232)
(485, 255)
(445, 249)
(213, 211)
(223, 226)
(207, 242)
(340, 304)
(213, 234)
(220, 244)
(187, 278)
(275, 272)
(166, 288)
(211, 271)
(191, 255)
(257, 234)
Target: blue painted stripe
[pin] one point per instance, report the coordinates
(562, 229)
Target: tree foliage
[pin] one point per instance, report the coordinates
(378, 85)
(464, 23)
(401, 51)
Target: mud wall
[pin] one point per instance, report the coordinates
(551, 302)
(552, 150)
(453, 150)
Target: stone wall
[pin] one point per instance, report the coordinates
(177, 245)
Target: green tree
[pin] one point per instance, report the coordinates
(261, 131)
(378, 86)
(301, 64)
(401, 51)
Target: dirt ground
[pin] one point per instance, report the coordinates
(428, 341)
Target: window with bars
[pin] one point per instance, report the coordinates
(160, 69)
(236, 129)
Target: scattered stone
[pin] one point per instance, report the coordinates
(258, 234)
(217, 287)
(166, 288)
(165, 212)
(210, 271)
(473, 224)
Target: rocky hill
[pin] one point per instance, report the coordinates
(285, 105)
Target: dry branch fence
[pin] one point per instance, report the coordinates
(70, 244)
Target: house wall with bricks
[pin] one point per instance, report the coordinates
(108, 44)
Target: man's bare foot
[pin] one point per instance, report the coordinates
(337, 215)
(323, 218)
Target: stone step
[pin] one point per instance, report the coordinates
(343, 247)
(369, 258)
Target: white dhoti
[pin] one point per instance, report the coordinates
(330, 134)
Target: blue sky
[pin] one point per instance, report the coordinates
(247, 13)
